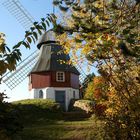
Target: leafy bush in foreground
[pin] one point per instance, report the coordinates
(9, 120)
(45, 104)
(37, 109)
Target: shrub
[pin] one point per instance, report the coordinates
(9, 120)
(45, 104)
(38, 109)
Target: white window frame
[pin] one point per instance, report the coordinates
(57, 76)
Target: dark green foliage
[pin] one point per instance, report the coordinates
(37, 109)
(9, 119)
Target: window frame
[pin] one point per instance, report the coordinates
(57, 75)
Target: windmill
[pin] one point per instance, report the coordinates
(12, 79)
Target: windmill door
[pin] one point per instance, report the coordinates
(60, 98)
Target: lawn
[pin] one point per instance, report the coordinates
(43, 120)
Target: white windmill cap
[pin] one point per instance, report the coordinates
(47, 37)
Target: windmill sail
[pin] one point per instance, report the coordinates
(12, 79)
(16, 9)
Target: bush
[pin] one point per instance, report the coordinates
(9, 120)
(37, 109)
(44, 104)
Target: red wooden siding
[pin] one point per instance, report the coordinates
(74, 81)
(48, 79)
(40, 80)
(66, 83)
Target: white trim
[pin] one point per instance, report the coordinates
(63, 76)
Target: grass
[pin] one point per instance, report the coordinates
(44, 120)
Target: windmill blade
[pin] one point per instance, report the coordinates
(12, 79)
(16, 9)
(80, 65)
(82, 73)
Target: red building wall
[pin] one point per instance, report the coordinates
(66, 83)
(40, 80)
(48, 79)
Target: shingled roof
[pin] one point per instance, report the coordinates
(51, 55)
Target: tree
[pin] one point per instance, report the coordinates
(87, 80)
(108, 34)
(95, 89)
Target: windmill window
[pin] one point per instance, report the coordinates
(60, 76)
(40, 94)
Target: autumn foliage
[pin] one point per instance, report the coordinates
(94, 90)
(107, 33)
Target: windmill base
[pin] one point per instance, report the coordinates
(60, 95)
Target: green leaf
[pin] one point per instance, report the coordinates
(39, 27)
(44, 26)
(130, 40)
(126, 31)
(43, 19)
(35, 35)
(35, 23)
(47, 22)
(18, 45)
(39, 31)
(32, 28)
(26, 44)
(64, 9)
(29, 39)
(33, 39)
(53, 16)
(49, 19)
(56, 2)
(27, 33)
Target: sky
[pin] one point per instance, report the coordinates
(15, 32)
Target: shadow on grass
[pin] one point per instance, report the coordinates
(30, 114)
(50, 123)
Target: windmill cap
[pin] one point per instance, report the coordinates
(47, 37)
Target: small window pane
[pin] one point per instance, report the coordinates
(60, 77)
